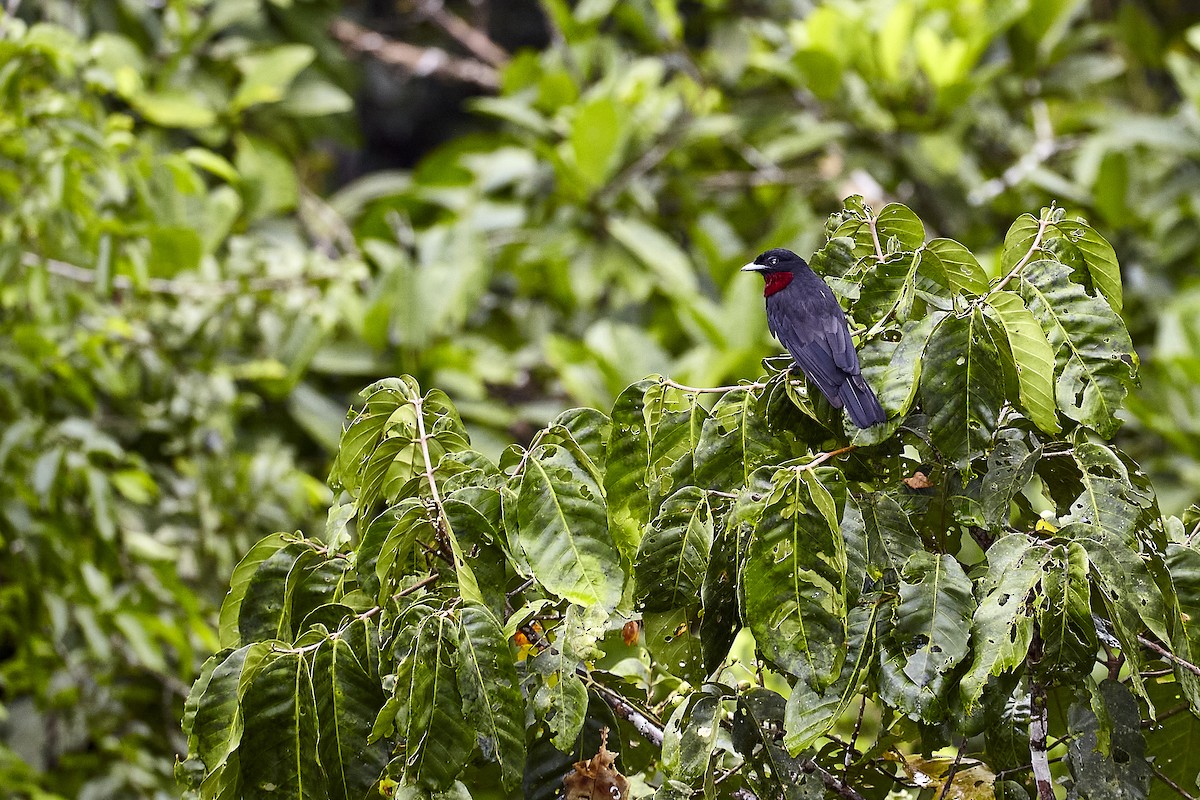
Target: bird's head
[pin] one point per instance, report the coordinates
(776, 260)
(777, 267)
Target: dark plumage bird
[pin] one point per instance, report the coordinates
(805, 317)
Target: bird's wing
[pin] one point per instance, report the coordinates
(814, 330)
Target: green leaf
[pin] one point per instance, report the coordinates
(1122, 774)
(961, 267)
(439, 738)
(562, 699)
(491, 690)
(174, 109)
(673, 556)
(1003, 624)
(1065, 619)
(896, 220)
(563, 528)
(734, 441)
(1173, 742)
(1093, 354)
(597, 137)
(1010, 468)
(810, 715)
(929, 633)
(217, 726)
(267, 75)
(888, 285)
(690, 737)
(893, 368)
(962, 387)
(266, 612)
(888, 532)
(239, 582)
(1018, 241)
(278, 754)
(796, 603)
(757, 737)
(1112, 499)
(664, 259)
(347, 701)
(673, 642)
(1100, 258)
(627, 462)
(1032, 358)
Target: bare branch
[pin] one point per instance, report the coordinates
(1158, 773)
(1150, 644)
(419, 61)
(474, 39)
(1039, 723)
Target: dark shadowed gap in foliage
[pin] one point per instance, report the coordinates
(403, 117)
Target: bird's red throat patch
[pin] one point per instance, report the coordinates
(776, 281)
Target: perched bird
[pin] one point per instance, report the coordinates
(805, 317)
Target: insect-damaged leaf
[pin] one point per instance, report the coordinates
(563, 527)
(673, 556)
(796, 603)
(1094, 357)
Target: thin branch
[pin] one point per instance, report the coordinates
(823, 457)
(962, 746)
(1039, 723)
(1158, 773)
(1150, 644)
(872, 219)
(421, 61)
(442, 526)
(850, 748)
(832, 782)
(474, 39)
(650, 730)
(740, 387)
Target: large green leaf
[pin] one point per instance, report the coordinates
(962, 269)
(347, 702)
(962, 386)
(795, 602)
(1122, 774)
(810, 714)
(889, 534)
(1065, 618)
(266, 611)
(1099, 256)
(1173, 742)
(888, 287)
(627, 463)
(487, 678)
(928, 635)
(278, 753)
(563, 528)
(1113, 498)
(438, 737)
(1003, 625)
(1093, 354)
(1032, 358)
(690, 737)
(1010, 467)
(757, 736)
(673, 555)
(239, 582)
(217, 725)
(734, 441)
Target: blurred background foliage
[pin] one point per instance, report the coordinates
(219, 218)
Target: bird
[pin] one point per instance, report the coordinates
(805, 317)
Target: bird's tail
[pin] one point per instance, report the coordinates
(860, 401)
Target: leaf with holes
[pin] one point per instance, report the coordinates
(673, 557)
(1094, 357)
(796, 602)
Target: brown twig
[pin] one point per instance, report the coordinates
(832, 782)
(962, 746)
(470, 37)
(1150, 644)
(1158, 773)
(1039, 722)
(421, 61)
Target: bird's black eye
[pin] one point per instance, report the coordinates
(772, 261)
